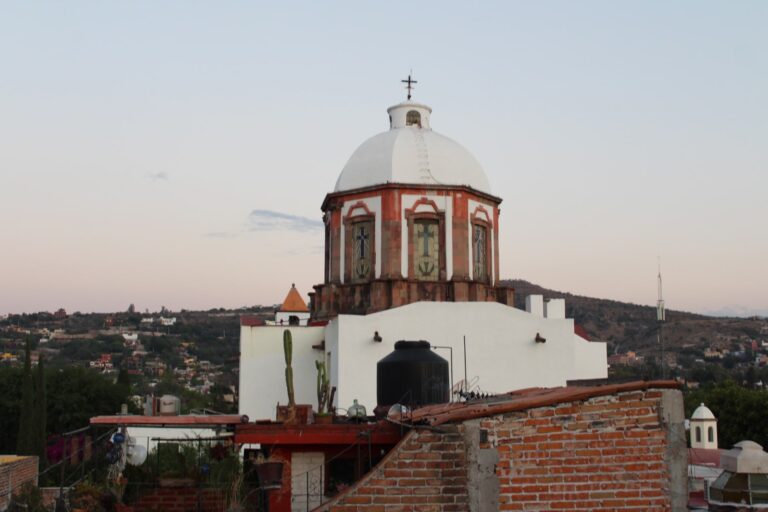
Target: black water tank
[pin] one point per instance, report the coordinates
(412, 375)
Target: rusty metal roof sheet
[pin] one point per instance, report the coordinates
(158, 421)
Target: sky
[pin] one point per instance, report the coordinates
(177, 153)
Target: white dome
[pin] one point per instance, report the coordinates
(411, 153)
(702, 412)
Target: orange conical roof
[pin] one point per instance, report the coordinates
(293, 302)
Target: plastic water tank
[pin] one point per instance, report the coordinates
(169, 405)
(412, 375)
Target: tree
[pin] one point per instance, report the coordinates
(742, 414)
(11, 382)
(41, 413)
(77, 394)
(25, 440)
(73, 396)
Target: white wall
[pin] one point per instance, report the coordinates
(501, 352)
(704, 425)
(554, 308)
(145, 435)
(502, 355)
(534, 304)
(262, 368)
(286, 317)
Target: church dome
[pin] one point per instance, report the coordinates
(411, 153)
(702, 412)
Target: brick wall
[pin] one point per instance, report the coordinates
(181, 499)
(14, 472)
(614, 452)
(425, 472)
(603, 454)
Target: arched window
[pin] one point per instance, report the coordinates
(413, 118)
(698, 434)
(711, 434)
(293, 320)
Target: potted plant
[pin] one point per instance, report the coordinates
(291, 413)
(269, 472)
(287, 413)
(323, 394)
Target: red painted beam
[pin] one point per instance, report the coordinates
(151, 421)
(279, 434)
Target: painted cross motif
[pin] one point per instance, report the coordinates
(362, 241)
(426, 235)
(479, 252)
(426, 250)
(361, 250)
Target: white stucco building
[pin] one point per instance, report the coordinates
(412, 253)
(703, 426)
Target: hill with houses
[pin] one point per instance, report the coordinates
(690, 338)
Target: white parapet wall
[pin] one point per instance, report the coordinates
(534, 304)
(554, 308)
(262, 368)
(502, 352)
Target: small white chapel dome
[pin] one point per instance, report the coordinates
(702, 412)
(411, 153)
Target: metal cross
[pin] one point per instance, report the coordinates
(410, 86)
(362, 238)
(426, 235)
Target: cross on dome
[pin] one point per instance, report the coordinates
(410, 83)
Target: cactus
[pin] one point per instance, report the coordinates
(288, 349)
(323, 388)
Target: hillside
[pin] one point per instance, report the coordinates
(627, 326)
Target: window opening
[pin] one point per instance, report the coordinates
(413, 118)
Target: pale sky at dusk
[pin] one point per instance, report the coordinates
(177, 153)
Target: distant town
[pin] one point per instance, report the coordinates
(190, 353)
(196, 353)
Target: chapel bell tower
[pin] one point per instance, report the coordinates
(411, 218)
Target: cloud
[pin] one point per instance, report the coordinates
(162, 175)
(270, 220)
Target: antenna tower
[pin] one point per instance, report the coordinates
(660, 318)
